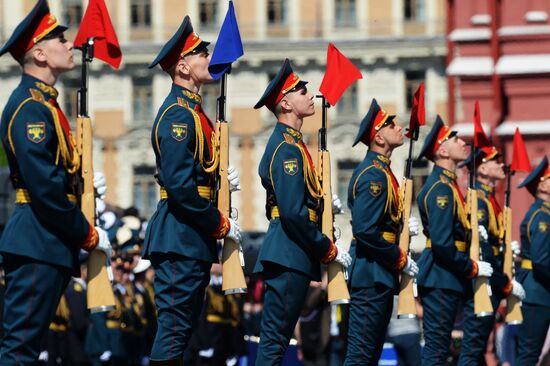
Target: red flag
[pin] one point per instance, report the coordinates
(339, 75)
(520, 159)
(418, 111)
(480, 139)
(97, 23)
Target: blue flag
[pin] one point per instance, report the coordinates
(229, 46)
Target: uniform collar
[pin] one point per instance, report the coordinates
(446, 173)
(297, 135)
(546, 204)
(187, 94)
(49, 91)
(485, 188)
(385, 161)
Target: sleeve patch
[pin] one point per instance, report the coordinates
(36, 131)
(442, 201)
(375, 188)
(290, 166)
(481, 214)
(543, 227)
(178, 131)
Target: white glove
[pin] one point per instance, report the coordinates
(234, 232)
(105, 356)
(414, 228)
(336, 205)
(103, 244)
(411, 268)
(516, 249)
(99, 206)
(233, 178)
(484, 269)
(43, 356)
(100, 184)
(517, 290)
(483, 235)
(343, 256)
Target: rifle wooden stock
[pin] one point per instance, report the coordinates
(482, 300)
(233, 281)
(100, 295)
(513, 304)
(406, 305)
(337, 288)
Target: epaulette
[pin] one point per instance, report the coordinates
(481, 194)
(36, 95)
(182, 102)
(289, 139)
(377, 164)
(77, 287)
(443, 178)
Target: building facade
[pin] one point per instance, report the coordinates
(396, 44)
(499, 54)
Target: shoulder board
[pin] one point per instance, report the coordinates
(36, 95)
(377, 164)
(443, 178)
(77, 287)
(182, 102)
(289, 139)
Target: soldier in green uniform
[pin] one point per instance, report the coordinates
(47, 229)
(373, 198)
(181, 235)
(446, 270)
(293, 247)
(489, 170)
(535, 267)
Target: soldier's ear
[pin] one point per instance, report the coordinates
(38, 54)
(285, 104)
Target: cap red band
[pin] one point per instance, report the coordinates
(291, 81)
(379, 120)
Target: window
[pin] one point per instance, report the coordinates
(145, 190)
(412, 82)
(141, 13)
(344, 12)
(345, 171)
(413, 10)
(72, 12)
(70, 99)
(276, 12)
(209, 94)
(347, 105)
(208, 13)
(142, 99)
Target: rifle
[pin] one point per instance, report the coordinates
(406, 306)
(482, 300)
(337, 288)
(233, 281)
(100, 295)
(513, 304)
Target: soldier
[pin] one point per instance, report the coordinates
(489, 170)
(446, 269)
(293, 246)
(42, 239)
(181, 236)
(373, 198)
(535, 267)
